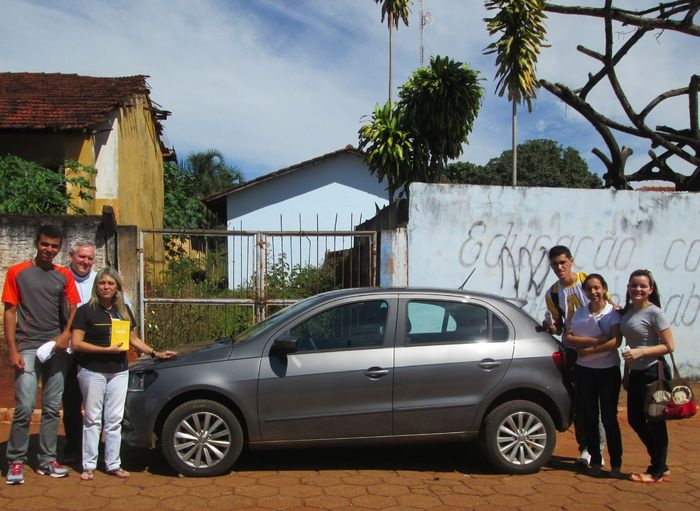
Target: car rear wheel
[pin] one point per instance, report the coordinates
(518, 437)
(201, 438)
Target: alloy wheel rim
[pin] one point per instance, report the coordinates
(521, 438)
(202, 439)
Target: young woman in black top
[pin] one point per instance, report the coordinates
(103, 370)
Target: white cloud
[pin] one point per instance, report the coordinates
(273, 82)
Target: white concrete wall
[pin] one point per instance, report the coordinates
(504, 233)
(106, 160)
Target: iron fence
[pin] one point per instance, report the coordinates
(199, 285)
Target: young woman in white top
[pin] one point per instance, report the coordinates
(595, 332)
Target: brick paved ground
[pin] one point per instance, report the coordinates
(438, 477)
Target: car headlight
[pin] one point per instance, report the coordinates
(141, 380)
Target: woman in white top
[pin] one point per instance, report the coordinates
(595, 333)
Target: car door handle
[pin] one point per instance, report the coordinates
(376, 372)
(488, 363)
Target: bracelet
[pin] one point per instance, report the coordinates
(153, 354)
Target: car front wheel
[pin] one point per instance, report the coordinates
(518, 437)
(201, 438)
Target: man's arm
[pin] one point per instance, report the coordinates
(63, 339)
(10, 328)
(554, 323)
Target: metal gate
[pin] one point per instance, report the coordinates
(196, 286)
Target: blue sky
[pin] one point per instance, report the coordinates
(271, 83)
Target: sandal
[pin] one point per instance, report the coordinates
(87, 475)
(645, 478)
(119, 472)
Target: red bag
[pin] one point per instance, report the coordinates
(670, 399)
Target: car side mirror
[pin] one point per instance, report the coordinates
(285, 344)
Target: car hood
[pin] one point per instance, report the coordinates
(193, 354)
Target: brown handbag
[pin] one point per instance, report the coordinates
(670, 399)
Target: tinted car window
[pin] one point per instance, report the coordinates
(499, 330)
(443, 321)
(353, 325)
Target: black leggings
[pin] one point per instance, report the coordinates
(599, 391)
(653, 434)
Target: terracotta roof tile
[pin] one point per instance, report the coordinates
(657, 189)
(56, 101)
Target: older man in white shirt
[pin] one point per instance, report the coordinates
(82, 258)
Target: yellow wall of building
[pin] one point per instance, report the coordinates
(139, 165)
(140, 168)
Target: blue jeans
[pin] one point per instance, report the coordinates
(51, 373)
(104, 395)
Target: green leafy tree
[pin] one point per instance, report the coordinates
(439, 104)
(521, 25)
(542, 163)
(212, 173)
(463, 172)
(29, 189)
(187, 185)
(413, 139)
(183, 209)
(394, 11)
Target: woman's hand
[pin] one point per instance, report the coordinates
(115, 348)
(164, 355)
(633, 353)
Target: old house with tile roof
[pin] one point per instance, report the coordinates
(108, 123)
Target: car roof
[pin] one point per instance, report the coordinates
(339, 293)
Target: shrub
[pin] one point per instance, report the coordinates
(29, 189)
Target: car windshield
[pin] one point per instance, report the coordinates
(274, 319)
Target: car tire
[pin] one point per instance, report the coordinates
(518, 437)
(201, 438)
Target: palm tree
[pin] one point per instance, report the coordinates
(211, 172)
(393, 11)
(387, 146)
(521, 23)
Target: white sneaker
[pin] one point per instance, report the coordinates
(583, 459)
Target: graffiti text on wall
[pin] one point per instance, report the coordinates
(521, 261)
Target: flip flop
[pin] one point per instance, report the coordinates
(645, 478)
(119, 472)
(87, 475)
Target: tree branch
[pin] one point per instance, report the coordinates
(638, 18)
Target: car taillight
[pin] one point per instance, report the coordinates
(559, 358)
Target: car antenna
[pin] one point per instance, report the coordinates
(467, 279)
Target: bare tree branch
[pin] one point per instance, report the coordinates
(682, 143)
(639, 18)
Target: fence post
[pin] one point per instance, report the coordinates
(260, 276)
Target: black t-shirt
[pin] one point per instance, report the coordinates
(96, 322)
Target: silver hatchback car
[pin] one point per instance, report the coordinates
(361, 365)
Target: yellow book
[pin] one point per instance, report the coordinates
(121, 331)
